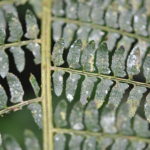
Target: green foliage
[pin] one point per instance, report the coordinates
(8, 142)
(9, 15)
(95, 65)
(101, 102)
(18, 40)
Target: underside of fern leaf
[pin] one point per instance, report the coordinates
(91, 88)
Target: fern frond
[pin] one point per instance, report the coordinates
(91, 59)
(15, 43)
(94, 59)
(92, 102)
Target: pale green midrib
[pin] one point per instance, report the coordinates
(19, 106)
(103, 28)
(45, 74)
(100, 135)
(19, 43)
(117, 79)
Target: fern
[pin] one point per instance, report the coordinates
(10, 143)
(95, 65)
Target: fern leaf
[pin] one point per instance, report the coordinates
(16, 88)
(58, 52)
(75, 142)
(118, 63)
(59, 141)
(15, 28)
(108, 119)
(116, 94)
(71, 86)
(83, 34)
(91, 117)
(102, 59)
(86, 90)
(140, 19)
(31, 25)
(35, 49)
(123, 122)
(57, 30)
(31, 142)
(58, 82)
(111, 18)
(99, 66)
(97, 14)
(36, 111)
(74, 54)
(61, 114)
(10, 143)
(146, 68)
(34, 85)
(125, 20)
(2, 27)
(112, 39)
(4, 65)
(134, 99)
(87, 57)
(89, 143)
(104, 143)
(146, 107)
(3, 98)
(137, 145)
(138, 123)
(101, 91)
(120, 143)
(68, 34)
(76, 117)
(19, 57)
